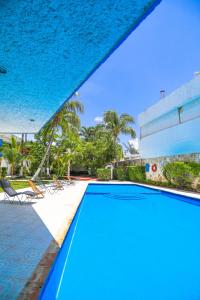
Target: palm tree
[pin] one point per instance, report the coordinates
(65, 123)
(130, 148)
(87, 133)
(12, 152)
(66, 151)
(119, 124)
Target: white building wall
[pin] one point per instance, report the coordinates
(172, 126)
(179, 97)
(181, 139)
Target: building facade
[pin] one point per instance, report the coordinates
(170, 129)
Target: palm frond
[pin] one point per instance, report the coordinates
(129, 130)
(126, 119)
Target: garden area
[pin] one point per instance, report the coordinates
(64, 147)
(178, 175)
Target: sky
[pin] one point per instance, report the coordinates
(162, 53)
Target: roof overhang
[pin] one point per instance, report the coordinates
(49, 48)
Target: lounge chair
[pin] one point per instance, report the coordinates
(51, 188)
(68, 180)
(58, 185)
(11, 195)
(45, 187)
(36, 190)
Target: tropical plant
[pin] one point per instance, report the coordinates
(180, 173)
(118, 124)
(130, 148)
(88, 133)
(12, 152)
(136, 173)
(65, 122)
(103, 174)
(3, 172)
(67, 149)
(121, 173)
(37, 150)
(98, 149)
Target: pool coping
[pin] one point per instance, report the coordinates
(35, 283)
(188, 194)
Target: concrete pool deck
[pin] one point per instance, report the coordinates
(31, 235)
(26, 231)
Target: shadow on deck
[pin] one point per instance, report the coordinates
(24, 239)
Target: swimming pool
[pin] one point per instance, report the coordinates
(129, 242)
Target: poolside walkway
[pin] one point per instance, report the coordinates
(26, 231)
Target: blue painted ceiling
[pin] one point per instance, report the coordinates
(49, 48)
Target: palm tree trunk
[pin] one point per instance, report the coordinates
(12, 169)
(116, 158)
(21, 169)
(44, 159)
(48, 167)
(53, 125)
(22, 163)
(111, 171)
(68, 170)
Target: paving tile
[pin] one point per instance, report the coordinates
(26, 232)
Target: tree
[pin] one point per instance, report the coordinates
(66, 152)
(64, 123)
(97, 148)
(119, 124)
(12, 152)
(88, 133)
(62, 143)
(37, 150)
(130, 148)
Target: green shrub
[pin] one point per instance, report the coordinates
(195, 168)
(136, 173)
(103, 174)
(3, 172)
(197, 188)
(180, 173)
(121, 173)
(160, 183)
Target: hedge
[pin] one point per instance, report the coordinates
(136, 173)
(195, 167)
(182, 174)
(121, 173)
(103, 174)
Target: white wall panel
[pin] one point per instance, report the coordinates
(191, 110)
(181, 139)
(168, 120)
(179, 97)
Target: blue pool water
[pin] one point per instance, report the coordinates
(129, 242)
